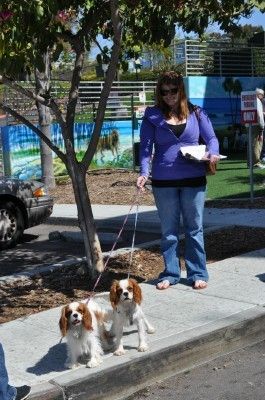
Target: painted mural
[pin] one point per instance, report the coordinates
(220, 97)
(114, 147)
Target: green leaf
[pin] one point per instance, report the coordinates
(39, 11)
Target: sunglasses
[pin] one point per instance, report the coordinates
(165, 92)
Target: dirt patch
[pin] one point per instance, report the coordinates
(28, 296)
(118, 187)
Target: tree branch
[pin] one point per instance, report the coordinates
(73, 93)
(25, 121)
(28, 93)
(31, 95)
(97, 43)
(78, 44)
(116, 23)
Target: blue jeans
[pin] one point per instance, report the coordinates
(7, 392)
(171, 203)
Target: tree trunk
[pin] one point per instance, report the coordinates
(45, 151)
(42, 82)
(85, 217)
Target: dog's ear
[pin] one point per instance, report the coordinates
(137, 292)
(113, 295)
(87, 318)
(63, 322)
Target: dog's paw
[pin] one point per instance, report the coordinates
(119, 352)
(94, 362)
(150, 329)
(143, 347)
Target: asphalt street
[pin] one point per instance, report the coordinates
(237, 376)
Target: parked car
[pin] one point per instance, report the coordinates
(23, 204)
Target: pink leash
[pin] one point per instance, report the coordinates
(136, 202)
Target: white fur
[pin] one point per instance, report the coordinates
(128, 312)
(81, 341)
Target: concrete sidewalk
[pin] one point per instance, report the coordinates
(112, 216)
(191, 326)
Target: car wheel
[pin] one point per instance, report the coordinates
(11, 224)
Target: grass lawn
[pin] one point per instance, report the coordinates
(232, 180)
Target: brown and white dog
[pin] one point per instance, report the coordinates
(83, 326)
(126, 298)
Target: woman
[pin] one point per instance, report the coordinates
(178, 183)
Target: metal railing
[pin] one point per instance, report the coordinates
(223, 59)
(120, 99)
(119, 104)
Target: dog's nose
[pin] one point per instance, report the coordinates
(75, 315)
(126, 294)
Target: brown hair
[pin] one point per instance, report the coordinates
(67, 311)
(115, 292)
(172, 78)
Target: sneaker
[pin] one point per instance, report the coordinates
(22, 392)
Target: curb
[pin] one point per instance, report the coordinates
(168, 357)
(112, 223)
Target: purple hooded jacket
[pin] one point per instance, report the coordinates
(168, 162)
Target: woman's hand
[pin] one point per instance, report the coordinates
(141, 181)
(214, 158)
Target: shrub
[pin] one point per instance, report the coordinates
(144, 75)
(90, 76)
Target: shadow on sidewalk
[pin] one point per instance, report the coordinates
(52, 361)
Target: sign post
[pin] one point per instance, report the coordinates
(249, 118)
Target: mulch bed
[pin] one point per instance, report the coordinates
(118, 187)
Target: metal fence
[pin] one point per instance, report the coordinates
(124, 98)
(223, 59)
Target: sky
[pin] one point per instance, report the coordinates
(256, 19)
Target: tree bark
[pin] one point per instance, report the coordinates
(47, 159)
(43, 82)
(85, 214)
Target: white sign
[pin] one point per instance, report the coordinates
(249, 107)
(142, 97)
